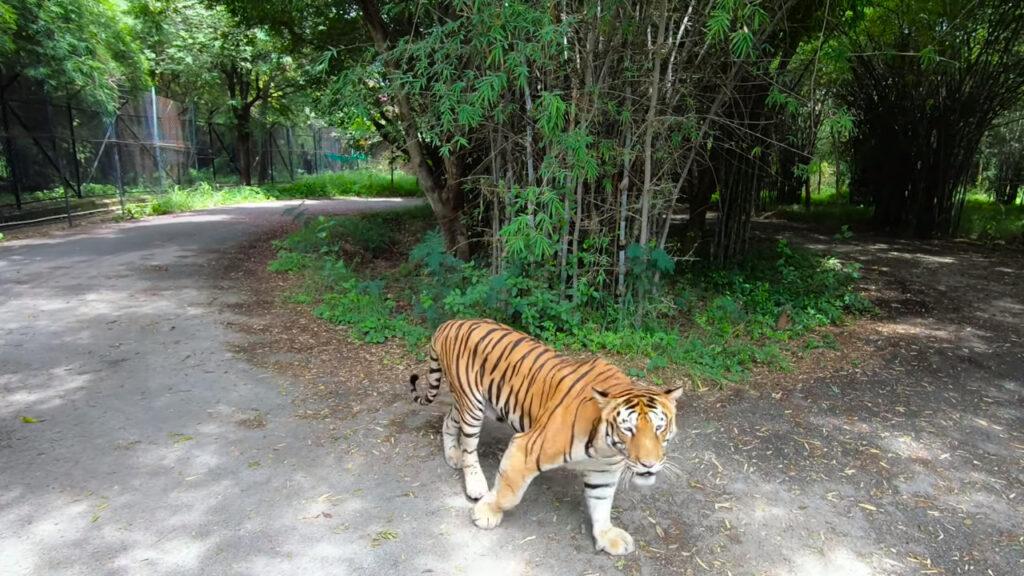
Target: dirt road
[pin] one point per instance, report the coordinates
(168, 430)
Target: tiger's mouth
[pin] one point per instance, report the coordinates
(645, 478)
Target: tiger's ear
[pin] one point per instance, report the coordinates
(601, 397)
(674, 393)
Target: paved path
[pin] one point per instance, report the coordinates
(158, 451)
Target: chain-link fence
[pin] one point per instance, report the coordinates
(57, 153)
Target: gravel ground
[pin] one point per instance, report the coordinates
(189, 420)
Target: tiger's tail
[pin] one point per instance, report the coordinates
(433, 380)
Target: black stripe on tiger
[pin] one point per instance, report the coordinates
(433, 381)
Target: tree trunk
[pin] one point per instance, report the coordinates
(700, 200)
(652, 108)
(243, 144)
(440, 181)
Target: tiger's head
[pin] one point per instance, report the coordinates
(638, 425)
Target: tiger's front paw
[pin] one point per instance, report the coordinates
(476, 483)
(453, 457)
(614, 541)
(486, 515)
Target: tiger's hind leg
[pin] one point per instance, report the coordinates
(450, 436)
(471, 421)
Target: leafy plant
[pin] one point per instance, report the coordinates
(715, 322)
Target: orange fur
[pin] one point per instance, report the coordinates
(586, 414)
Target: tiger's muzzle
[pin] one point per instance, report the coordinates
(645, 472)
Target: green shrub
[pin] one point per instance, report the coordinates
(986, 220)
(716, 323)
(362, 183)
(288, 262)
(196, 197)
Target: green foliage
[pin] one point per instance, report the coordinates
(289, 262)
(83, 48)
(830, 212)
(368, 314)
(197, 197)
(200, 52)
(989, 221)
(362, 183)
(335, 288)
(716, 323)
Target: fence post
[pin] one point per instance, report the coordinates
(156, 137)
(117, 159)
(316, 150)
(291, 163)
(270, 152)
(9, 148)
(74, 151)
(193, 148)
(60, 159)
(213, 155)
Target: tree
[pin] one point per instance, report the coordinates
(926, 81)
(203, 54)
(80, 48)
(1003, 154)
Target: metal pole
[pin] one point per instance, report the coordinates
(316, 151)
(156, 137)
(117, 160)
(9, 148)
(213, 156)
(74, 151)
(60, 161)
(193, 149)
(270, 151)
(288, 141)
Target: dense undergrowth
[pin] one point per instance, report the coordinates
(981, 219)
(386, 276)
(360, 183)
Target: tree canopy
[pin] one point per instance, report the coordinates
(589, 141)
(81, 47)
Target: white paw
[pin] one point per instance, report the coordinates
(453, 456)
(476, 483)
(485, 515)
(614, 541)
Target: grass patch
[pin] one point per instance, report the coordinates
(829, 210)
(982, 218)
(360, 183)
(386, 276)
(985, 220)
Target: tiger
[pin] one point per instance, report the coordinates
(585, 415)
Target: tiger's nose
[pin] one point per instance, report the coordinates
(648, 463)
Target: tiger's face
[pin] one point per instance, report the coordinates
(638, 426)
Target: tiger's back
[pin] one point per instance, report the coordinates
(523, 380)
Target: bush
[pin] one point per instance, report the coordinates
(362, 183)
(986, 220)
(288, 262)
(196, 197)
(714, 322)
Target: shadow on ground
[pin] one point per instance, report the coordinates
(190, 421)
